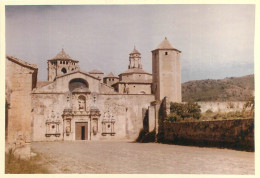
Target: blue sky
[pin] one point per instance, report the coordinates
(216, 41)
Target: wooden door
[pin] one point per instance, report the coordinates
(81, 130)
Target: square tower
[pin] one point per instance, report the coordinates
(166, 68)
(61, 64)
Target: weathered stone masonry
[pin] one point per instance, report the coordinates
(20, 78)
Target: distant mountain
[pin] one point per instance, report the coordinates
(228, 89)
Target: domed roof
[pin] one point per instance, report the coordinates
(81, 90)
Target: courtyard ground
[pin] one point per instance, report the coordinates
(137, 158)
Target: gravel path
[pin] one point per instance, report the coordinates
(138, 158)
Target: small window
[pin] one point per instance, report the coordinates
(53, 126)
(66, 62)
(112, 79)
(60, 62)
(166, 53)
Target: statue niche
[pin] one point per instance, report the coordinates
(82, 103)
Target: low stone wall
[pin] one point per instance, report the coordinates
(229, 106)
(237, 134)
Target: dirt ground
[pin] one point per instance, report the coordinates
(140, 158)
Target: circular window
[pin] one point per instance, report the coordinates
(63, 70)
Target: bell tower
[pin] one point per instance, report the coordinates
(166, 69)
(135, 59)
(61, 64)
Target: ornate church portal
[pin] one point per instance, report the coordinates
(80, 116)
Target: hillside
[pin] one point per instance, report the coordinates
(228, 89)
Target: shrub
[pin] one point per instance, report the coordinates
(173, 117)
(209, 111)
(187, 110)
(250, 104)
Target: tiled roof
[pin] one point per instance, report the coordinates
(21, 62)
(42, 83)
(165, 44)
(78, 71)
(96, 72)
(63, 56)
(136, 81)
(110, 75)
(135, 70)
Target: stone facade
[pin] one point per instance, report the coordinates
(167, 72)
(135, 80)
(77, 105)
(61, 64)
(110, 79)
(20, 79)
(98, 74)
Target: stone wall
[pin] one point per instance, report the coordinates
(126, 111)
(20, 79)
(222, 106)
(134, 88)
(237, 133)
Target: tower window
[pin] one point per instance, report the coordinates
(166, 53)
(63, 70)
(66, 62)
(60, 62)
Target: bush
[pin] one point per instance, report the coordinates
(187, 110)
(209, 111)
(250, 104)
(173, 117)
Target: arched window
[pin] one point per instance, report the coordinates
(77, 83)
(63, 70)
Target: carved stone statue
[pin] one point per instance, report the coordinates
(82, 103)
